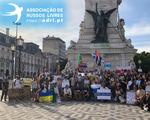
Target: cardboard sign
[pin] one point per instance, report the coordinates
(130, 97)
(27, 81)
(19, 94)
(103, 94)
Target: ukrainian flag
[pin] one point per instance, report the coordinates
(48, 96)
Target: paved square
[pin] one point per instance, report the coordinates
(73, 110)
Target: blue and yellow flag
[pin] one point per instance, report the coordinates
(48, 96)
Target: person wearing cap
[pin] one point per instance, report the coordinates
(5, 86)
(67, 93)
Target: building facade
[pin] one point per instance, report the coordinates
(52, 62)
(33, 60)
(55, 46)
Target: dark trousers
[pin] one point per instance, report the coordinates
(141, 105)
(4, 92)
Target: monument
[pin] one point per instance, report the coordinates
(101, 30)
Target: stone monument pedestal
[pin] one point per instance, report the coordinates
(116, 54)
(118, 51)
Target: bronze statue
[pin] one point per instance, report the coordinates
(100, 27)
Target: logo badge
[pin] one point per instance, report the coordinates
(17, 11)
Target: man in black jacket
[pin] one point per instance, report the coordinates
(146, 102)
(5, 86)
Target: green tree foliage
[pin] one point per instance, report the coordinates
(63, 64)
(145, 61)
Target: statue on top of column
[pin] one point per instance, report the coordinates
(100, 26)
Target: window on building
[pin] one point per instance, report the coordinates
(35, 61)
(31, 60)
(1, 72)
(2, 53)
(25, 58)
(7, 65)
(2, 64)
(8, 54)
(28, 59)
(41, 62)
(28, 68)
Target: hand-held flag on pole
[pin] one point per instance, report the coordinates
(97, 58)
(79, 60)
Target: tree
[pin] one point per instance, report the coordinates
(145, 61)
(63, 64)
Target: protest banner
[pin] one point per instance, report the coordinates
(104, 94)
(121, 69)
(82, 74)
(19, 94)
(27, 81)
(107, 66)
(95, 87)
(130, 97)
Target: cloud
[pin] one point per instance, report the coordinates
(145, 48)
(75, 14)
(66, 34)
(138, 29)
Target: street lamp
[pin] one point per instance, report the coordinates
(20, 46)
(58, 67)
(13, 48)
(139, 62)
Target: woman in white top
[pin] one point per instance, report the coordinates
(16, 82)
(87, 81)
(147, 88)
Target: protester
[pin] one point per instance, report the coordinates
(139, 95)
(117, 94)
(56, 95)
(86, 93)
(70, 85)
(104, 87)
(147, 88)
(91, 76)
(17, 82)
(87, 81)
(112, 87)
(78, 92)
(145, 104)
(80, 80)
(67, 93)
(34, 86)
(5, 86)
(122, 96)
(51, 83)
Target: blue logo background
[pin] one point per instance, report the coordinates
(8, 20)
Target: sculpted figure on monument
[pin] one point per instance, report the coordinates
(100, 27)
(121, 24)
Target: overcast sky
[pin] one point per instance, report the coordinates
(136, 14)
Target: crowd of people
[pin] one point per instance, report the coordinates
(76, 85)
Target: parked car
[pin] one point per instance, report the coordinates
(1, 81)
